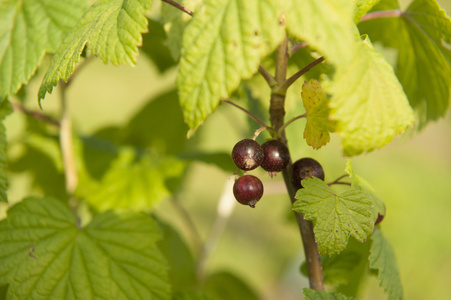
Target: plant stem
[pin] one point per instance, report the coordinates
(247, 112)
(179, 6)
(297, 47)
(281, 129)
(277, 113)
(337, 181)
(299, 73)
(35, 114)
(396, 13)
(268, 77)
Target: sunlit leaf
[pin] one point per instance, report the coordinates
(335, 217)
(5, 109)
(29, 29)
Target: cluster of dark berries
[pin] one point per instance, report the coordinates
(273, 156)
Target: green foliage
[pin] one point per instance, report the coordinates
(421, 35)
(335, 217)
(5, 109)
(222, 45)
(382, 258)
(322, 295)
(28, 29)
(102, 29)
(191, 295)
(368, 102)
(362, 7)
(225, 286)
(45, 254)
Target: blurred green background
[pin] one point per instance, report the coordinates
(412, 175)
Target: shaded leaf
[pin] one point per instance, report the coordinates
(226, 286)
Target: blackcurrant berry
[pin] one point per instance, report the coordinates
(306, 167)
(248, 190)
(247, 154)
(379, 219)
(275, 156)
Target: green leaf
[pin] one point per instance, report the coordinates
(45, 255)
(322, 295)
(335, 217)
(422, 36)
(134, 182)
(182, 268)
(111, 29)
(362, 7)
(368, 102)
(222, 45)
(316, 106)
(326, 25)
(226, 286)
(382, 259)
(336, 268)
(5, 109)
(363, 185)
(175, 22)
(155, 48)
(29, 29)
(191, 295)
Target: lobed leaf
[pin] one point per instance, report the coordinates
(45, 255)
(5, 109)
(316, 106)
(111, 29)
(368, 102)
(382, 258)
(29, 29)
(222, 45)
(422, 37)
(326, 25)
(323, 295)
(335, 217)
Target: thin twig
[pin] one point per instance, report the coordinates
(396, 13)
(189, 225)
(296, 48)
(299, 73)
(337, 181)
(281, 129)
(179, 6)
(268, 77)
(258, 131)
(35, 114)
(247, 112)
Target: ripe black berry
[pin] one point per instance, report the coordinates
(275, 156)
(247, 154)
(306, 167)
(248, 190)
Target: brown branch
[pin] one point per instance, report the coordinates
(396, 13)
(268, 77)
(35, 114)
(337, 181)
(297, 47)
(281, 129)
(179, 6)
(277, 113)
(247, 112)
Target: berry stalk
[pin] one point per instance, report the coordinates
(277, 114)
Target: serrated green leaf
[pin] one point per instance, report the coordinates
(422, 35)
(382, 258)
(226, 286)
(363, 185)
(323, 295)
(335, 217)
(134, 182)
(336, 268)
(368, 102)
(222, 45)
(175, 22)
(111, 29)
(316, 106)
(327, 26)
(362, 7)
(44, 255)
(28, 29)
(5, 109)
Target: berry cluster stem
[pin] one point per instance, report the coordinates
(277, 114)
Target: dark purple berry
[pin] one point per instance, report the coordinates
(379, 219)
(275, 156)
(247, 154)
(248, 190)
(306, 167)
